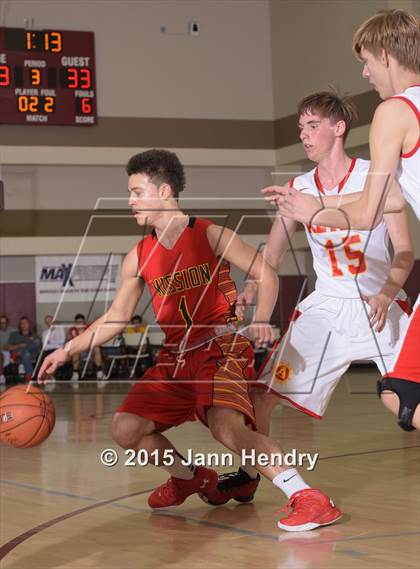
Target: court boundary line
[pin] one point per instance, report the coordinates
(367, 452)
(14, 542)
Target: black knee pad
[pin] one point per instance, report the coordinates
(408, 393)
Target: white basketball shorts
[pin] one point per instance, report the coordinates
(325, 337)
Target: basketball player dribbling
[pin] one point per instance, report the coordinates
(331, 327)
(388, 46)
(205, 366)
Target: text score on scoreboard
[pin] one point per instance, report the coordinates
(47, 77)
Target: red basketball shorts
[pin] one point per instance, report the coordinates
(407, 358)
(180, 387)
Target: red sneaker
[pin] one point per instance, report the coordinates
(176, 490)
(308, 509)
(238, 486)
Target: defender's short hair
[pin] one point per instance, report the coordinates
(331, 105)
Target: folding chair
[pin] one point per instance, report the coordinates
(114, 352)
(136, 352)
(156, 338)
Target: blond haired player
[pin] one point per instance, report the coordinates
(388, 45)
(331, 327)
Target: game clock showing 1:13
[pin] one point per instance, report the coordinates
(47, 77)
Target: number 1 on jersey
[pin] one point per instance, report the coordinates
(184, 312)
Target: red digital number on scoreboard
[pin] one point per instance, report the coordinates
(4, 75)
(78, 78)
(47, 77)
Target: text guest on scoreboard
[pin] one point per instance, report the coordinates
(47, 77)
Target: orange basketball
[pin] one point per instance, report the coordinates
(27, 416)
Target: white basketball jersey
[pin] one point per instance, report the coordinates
(346, 261)
(408, 173)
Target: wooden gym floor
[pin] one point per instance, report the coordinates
(61, 508)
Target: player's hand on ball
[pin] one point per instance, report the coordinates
(261, 333)
(51, 363)
(378, 310)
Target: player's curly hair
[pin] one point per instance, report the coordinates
(161, 166)
(331, 105)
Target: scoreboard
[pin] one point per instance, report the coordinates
(47, 77)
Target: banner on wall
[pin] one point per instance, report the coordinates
(87, 278)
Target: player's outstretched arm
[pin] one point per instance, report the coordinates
(394, 203)
(293, 204)
(227, 244)
(105, 327)
(402, 263)
(389, 127)
(277, 244)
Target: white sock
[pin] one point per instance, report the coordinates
(179, 470)
(250, 470)
(290, 481)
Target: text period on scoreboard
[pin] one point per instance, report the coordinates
(47, 77)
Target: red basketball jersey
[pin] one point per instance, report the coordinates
(191, 287)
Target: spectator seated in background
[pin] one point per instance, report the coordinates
(24, 346)
(129, 349)
(137, 344)
(137, 326)
(80, 325)
(53, 337)
(2, 376)
(5, 331)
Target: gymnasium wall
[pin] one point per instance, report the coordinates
(14, 269)
(224, 98)
(225, 101)
(224, 73)
(311, 48)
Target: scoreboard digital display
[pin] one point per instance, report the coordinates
(47, 77)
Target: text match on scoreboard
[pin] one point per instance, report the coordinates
(47, 77)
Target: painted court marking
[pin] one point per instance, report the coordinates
(13, 543)
(7, 547)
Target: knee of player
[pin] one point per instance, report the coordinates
(416, 419)
(223, 433)
(402, 397)
(127, 433)
(263, 401)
